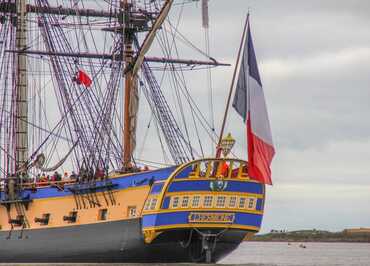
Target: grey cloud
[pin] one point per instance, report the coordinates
(316, 207)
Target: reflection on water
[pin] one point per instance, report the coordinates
(315, 254)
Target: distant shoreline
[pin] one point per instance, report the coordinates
(312, 236)
(308, 241)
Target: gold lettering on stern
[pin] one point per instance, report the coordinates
(202, 217)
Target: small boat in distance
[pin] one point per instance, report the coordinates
(72, 188)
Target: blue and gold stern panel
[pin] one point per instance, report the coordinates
(207, 193)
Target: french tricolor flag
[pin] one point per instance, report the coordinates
(249, 102)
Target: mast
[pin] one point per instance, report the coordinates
(129, 119)
(130, 72)
(21, 88)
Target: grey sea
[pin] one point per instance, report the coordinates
(276, 254)
(293, 254)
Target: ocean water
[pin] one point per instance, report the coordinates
(270, 254)
(315, 254)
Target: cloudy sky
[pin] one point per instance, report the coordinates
(314, 59)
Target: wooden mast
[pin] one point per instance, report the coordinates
(21, 135)
(128, 58)
(130, 72)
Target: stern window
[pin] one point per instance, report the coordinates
(251, 203)
(242, 203)
(175, 202)
(185, 202)
(153, 204)
(221, 201)
(208, 201)
(195, 202)
(147, 204)
(232, 202)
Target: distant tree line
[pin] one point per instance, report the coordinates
(314, 236)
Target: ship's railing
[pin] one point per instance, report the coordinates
(218, 168)
(35, 185)
(31, 185)
(222, 168)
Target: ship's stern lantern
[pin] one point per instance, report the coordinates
(227, 144)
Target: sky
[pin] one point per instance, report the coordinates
(314, 61)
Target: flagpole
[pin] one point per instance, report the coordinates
(218, 152)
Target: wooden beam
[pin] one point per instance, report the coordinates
(63, 11)
(119, 57)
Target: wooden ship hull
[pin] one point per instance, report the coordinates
(177, 214)
(120, 241)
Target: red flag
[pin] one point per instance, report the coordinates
(83, 78)
(260, 154)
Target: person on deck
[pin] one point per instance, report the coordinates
(225, 169)
(99, 173)
(38, 177)
(73, 176)
(58, 177)
(43, 180)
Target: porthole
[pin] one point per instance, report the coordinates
(103, 214)
(71, 218)
(131, 211)
(44, 220)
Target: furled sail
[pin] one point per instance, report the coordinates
(133, 109)
(151, 35)
(40, 160)
(205, 16)
(131, 76)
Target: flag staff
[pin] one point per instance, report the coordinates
(218, 148)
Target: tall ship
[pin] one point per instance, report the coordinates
(78, 84)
